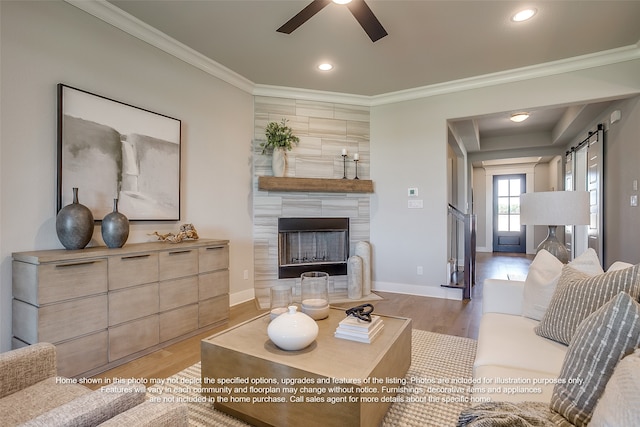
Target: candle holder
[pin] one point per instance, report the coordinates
(344, 166)
(314, 288)
(356, 162)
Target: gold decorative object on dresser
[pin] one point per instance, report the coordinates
(103, 307)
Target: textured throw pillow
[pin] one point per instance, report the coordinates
(600, 342)
(542, 279)
(577, 296)
(620, 402)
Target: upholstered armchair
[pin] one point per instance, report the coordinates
(32, 395)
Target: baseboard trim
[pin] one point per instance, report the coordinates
(419, 290)
(242, 296)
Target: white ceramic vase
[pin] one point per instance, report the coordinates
(292, 330)
(354, 277)
(279, 162)
(363, 250)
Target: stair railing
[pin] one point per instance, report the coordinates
(462, 229)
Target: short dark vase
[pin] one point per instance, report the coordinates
(74, 224)
(115, 228)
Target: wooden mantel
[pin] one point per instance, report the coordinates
(321, 185)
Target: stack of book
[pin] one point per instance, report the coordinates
(354, 329)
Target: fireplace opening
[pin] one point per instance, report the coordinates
(312, 244)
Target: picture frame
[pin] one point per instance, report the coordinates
(112, 150)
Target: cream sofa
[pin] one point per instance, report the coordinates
(32, 395)
(513, 363)
(509, 349)
(548, 346)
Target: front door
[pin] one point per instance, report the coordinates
(508, 234)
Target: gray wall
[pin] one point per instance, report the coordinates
(50, 42)
(622, 167)
(409, 149)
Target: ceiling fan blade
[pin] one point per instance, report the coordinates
(303, 16)
(370, 24)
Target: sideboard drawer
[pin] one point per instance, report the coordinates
(132, 337)
(213, 310)
(58, 322)
(82, 354)
(213, 284)
(48, 283)
(213, 258)
(178, 263)
(132, 269)
(133, 303)
(178, 292)
(178, 322)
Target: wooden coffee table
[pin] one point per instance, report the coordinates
(333, 382)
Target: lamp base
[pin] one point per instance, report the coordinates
(553, 246)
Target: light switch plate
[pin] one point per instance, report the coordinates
(415, 204)
(634, 200)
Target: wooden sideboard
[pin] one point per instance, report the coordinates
(103, 307)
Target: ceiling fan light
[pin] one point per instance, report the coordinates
(519, 117)
(341, 1)
(523, 15)
(325, 67)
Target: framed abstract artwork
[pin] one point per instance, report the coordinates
(111, 150)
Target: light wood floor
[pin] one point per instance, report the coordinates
(461, 318)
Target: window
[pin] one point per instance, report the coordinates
(509, 204)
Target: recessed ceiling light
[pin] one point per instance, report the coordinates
(519, 117)
(325, 67)
(523, 15)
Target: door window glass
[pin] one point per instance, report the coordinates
(509, 204)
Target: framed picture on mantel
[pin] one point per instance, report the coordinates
(111, 150)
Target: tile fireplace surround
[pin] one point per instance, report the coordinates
(324, 129)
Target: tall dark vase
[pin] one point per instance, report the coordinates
(115, 228)
(74, 224)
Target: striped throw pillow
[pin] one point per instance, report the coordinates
(600, 342)
(620, 402)
(578, 295)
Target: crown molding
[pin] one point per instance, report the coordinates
(597, 59)
(111, 14)
(120, 19)
(311, 95)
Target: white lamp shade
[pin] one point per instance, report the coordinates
(555, 208)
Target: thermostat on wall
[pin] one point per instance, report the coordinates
(413, 192)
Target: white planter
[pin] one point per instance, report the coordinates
(279, 162)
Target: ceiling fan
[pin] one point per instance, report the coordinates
(358, 8)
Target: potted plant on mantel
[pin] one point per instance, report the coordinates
(280, 139)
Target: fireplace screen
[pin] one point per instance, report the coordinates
(312, 244)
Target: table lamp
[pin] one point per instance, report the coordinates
(553, 208)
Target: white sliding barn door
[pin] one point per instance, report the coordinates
(584, 171)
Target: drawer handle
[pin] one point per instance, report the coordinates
(75, 264)
(213, 248)
(135, 256)
(179, 252)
